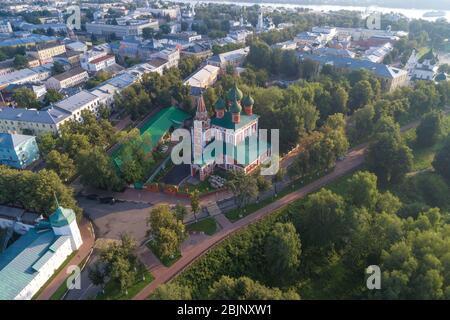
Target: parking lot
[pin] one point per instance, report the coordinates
(112, 220)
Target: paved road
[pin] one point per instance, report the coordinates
(111, 221)
(163, 274)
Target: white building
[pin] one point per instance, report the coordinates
(423, 68)
(26, 75)
(74, 105)
(99, 63)
(234, 58)
(203, 78)
(123, 28)
(21, 121)
(239, 36)
(5, 27)
(67, 79)
(27, 264)
(77, 46)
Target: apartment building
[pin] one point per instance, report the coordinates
(130, 27)
(67, 79)
(99, 63)
(202, 79)
(45, 52)
(37, 122)
(37, 74)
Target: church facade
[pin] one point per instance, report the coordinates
(230, 139)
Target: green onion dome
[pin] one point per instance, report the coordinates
(235, 107)
(234, 94)
(220, 104)
(248, 101)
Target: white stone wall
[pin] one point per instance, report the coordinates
(46, 272)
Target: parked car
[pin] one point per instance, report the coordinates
(92, 196)
(110, 200)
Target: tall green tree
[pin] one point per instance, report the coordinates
(360, 95)
(61, 164)
(171, 291)
(429, 129)
(282, 252)
(244, 188)
(441, 162)
(97, 170)
(25, 98)
(244, 288)
(389, 158)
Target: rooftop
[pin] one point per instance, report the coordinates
(196, 80)
(103, 58)
(69, 74)
(379, 69)
(76, 101)
(11, 141)
(227, 123)
(48, 116)
(20, 263)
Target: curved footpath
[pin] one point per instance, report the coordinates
(162, 274)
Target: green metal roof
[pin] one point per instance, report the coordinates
(227, 123)
(157, 127)
(19, 262)
(62, 217)
(220, 104)
(244, 153)
(234, 93)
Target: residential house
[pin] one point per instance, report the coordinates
(45, 52)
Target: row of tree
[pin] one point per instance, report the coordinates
(320, 248)
(154, 91)
(35, 192)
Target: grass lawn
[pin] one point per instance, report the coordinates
(112, 290)
(208, 226)
(55, 274)
(202, 187)
(165, 261)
